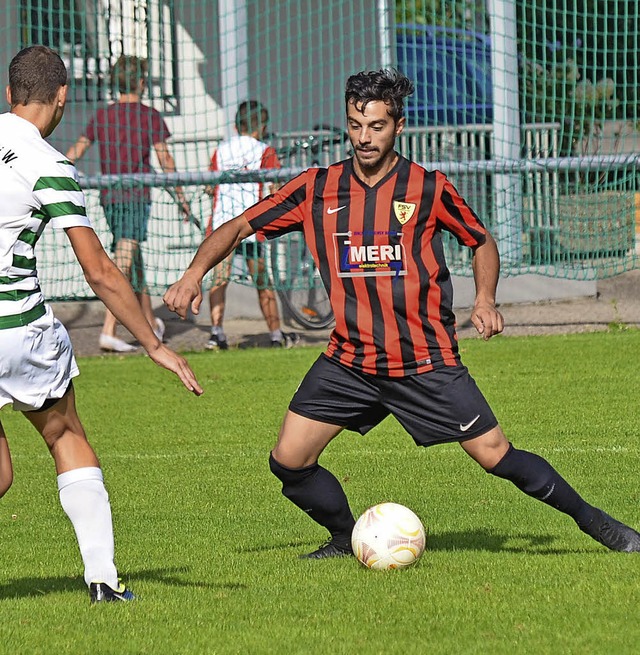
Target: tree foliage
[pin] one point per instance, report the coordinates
(457, 14)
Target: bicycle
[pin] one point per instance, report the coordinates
(295, 276)
(291, 268)
(321, 146)
(298, 284)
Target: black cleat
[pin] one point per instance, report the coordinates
(329, 549)
(103, 593)
(613, 534)
(216, 343)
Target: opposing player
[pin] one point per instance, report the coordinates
(244, 151)
(374, 225)
(6, 469)
(37, 187)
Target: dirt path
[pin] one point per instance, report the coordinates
(617, 302)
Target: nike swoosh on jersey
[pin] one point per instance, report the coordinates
(334, 210)
(464, 428)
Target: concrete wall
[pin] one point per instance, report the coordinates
(242, 300)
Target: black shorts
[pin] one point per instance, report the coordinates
(435, 407)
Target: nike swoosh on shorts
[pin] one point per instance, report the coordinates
(464, 428)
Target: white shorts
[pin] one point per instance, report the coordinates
(36, 363)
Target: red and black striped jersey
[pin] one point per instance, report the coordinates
(380, 254)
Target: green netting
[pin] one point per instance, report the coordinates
(531, 108)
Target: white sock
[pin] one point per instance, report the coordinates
(86, 502)
(276, 335)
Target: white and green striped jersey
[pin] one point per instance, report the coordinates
(37, 186)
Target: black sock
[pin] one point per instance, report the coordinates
(318, 493)
(538, 479)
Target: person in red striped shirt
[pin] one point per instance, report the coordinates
(374, 225)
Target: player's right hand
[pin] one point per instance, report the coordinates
(487, 320)
(183, 293)
(167, 358)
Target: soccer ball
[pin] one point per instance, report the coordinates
(388, 536)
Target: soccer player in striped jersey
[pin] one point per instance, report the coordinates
(37, 187)
(374, 225)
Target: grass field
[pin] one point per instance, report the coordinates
(210, 546)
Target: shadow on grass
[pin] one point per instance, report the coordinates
(282, 546)
(31, 587)
(479, 540)
(484, 540)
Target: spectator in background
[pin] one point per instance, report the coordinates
(244, 151)
(125, 132)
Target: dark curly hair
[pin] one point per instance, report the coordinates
(388, 85)
(36, 74)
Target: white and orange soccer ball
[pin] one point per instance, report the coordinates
(388, 536)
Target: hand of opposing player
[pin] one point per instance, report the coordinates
(487, 319)
(167, 358)
(184, 292)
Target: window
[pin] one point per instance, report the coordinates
(90, 35)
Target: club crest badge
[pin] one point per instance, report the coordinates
(403, 211)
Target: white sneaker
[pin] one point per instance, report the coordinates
(113, 344)
(159, 331)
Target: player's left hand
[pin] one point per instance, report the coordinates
(487, 319)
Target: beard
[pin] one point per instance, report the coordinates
(369, 158)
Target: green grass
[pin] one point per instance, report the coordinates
(210, 546)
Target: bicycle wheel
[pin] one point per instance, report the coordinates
(298, 283)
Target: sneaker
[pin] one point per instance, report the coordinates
(289, 340)
(329, 549)
(113, 344)
(216, 343)
(159, 329)
(100, 592)
(613, 534)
